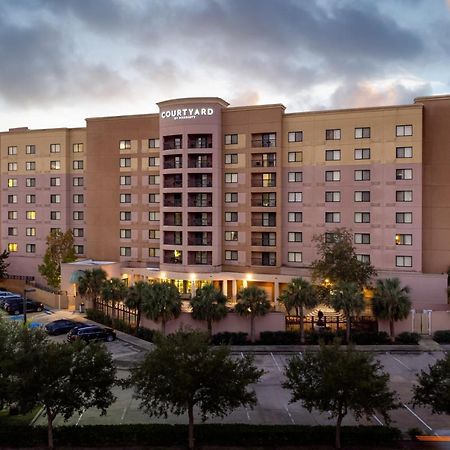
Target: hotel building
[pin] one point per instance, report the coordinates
(204, 191)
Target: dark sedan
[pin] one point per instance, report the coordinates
(61, 326)
(15, 306)
(91, 333)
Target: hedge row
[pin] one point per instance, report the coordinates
(211, 434)
(442, 336)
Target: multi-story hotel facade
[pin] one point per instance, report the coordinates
(204, 191)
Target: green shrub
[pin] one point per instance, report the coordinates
(121, 325)
(229, 338)
(279, 338)
(99, 317)
(146, 334)
(370, 338)
(442, 336)
(408, 338)
(315, 337)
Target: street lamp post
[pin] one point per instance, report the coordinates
(25, 292)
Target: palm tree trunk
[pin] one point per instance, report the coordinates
(252, 329)
(50, 429)
(163, 327)
(210, 328)
(191, 427)
(302, 326)
(138, 318)
(347, 331)
(338, 431)
(391, 330)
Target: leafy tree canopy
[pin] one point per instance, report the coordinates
(4, 265)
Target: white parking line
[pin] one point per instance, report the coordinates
(79, 418)
(275, 361)
(417, 417)
(400, 362)
(290, 415)
(122, 417)
(300, 354)
(246, 409)
(377, 419)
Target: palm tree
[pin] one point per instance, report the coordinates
(299, 294)
(347, 297)
(209, 305)
(163, 303)
(391, 302)
(252, 301)
(90, 284)
(114, 290)
(136, 296)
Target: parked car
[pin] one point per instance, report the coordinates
(61, 326)
(15, 306)
(5, 298)
(91, 333)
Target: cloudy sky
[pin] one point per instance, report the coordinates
(64, 60)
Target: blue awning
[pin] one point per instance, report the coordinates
(74, 278)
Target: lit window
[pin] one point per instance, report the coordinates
(332, 217)
(362, 153)
(362, 133)
(362, 175)
(30, 215)
(231, 158)
(362, 196)
(334, 196)
(77, 148)
(295, 197)
(403, 239)
(295, 177)
(12, 247)
(295, 257)
(295, 236)
(12, 182)
(404, 174)
(403, 217)
(231, 255)
(333, 134)
(124, 145)
(295, 136)
(231, 139)
(404, 130)
(295, 156)
(231, 235)
(403, 261)
(231, 178)
(332, 155)
(333, 175)
(295, 217)
(55, 165)
(362, 238)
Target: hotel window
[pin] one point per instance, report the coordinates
(55, 230)
(78, 164)
(403, 239)
(153, 143)
(332, 175)
(269, 179)
(362, 196)
(334, 196)
(55, 198)
(231, 197)
(404, 152)
(363, 258)
(30, 182)
(12, 150)
(55, 181)
(362, 153)
(30, 149)
(403, 261)
(153, 180)
(125, 233)
(12, 166)
(295, 177)
(295, 236)
(362, 238)
(330, 238)
(12, 198)
(153, 198)
(153, 216)
(125, 251)
(125, 180)
(295, 136)
(78, 232)
(12, 215)
(295, 217)
(55, 148)
(153, 161)
(30, 231)
(333, 134)
(362, 133)
(403, 217)
(78, 215)
(295, 156)
(332, 217)
(153, 252)
(231, 178)
(231, 158)
(12, 182)
(362, 175)
(403, 196)
(78, 198)
(404, 130)
(77, 148)
(153, 234)
(231, 255)
(30, 165)
(12, 231)
(78, 181)
(295, 197)
(55, 215)
(231, 235)
(231, 216)
(30, 215)
(30, 198)
(231, 139)
(55, 165)
(125, 198)
(79, 249)
(12, 247)
(362, 217)
(125, 162)
(125, 215)
(295, 257)
(332, 155)
(403, 174)
(30, 248)
(124, 145)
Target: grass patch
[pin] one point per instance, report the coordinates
(17, 419)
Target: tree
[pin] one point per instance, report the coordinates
(326, 381)
(348, 298)
(90, 284)
(114, 290)
(60, 249)
(433, 388)
(391, 302)
(337, 259)
(184, 372)
(4, 265)
(163, 303)
(252, 301)
(136, 296)
(298, 295)
(209, 304)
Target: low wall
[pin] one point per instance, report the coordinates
(440, 320)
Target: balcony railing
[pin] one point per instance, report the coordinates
(258, 261)
(200, 241)
(173, 183)
(264, 142)
(264, 223)
(175, 203)
(173, 165)
(264, 242)
(170, 240)
(263, 163)
(173, 260)
(263, 183)
(200, 184)
(200, 164)
(173, 145)
(264, 202)
(197, 144)
(200, 203)
(199, 222)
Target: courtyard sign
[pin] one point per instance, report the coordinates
(186, 113)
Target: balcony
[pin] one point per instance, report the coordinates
(200, 238)
(200, 200)
(264, 239)
(173, 200)
(200, 258)
(173, 142)
(200, 180)
(173, 238)
(200, 141)
(264, 220)
(264, 160)
(173, 181)
(173, 219)
(264, 258)
(264, 180)
(266, 199)
(173, 257)
(200, 219)
(173, 162)
(200, 161)
(264, 140)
